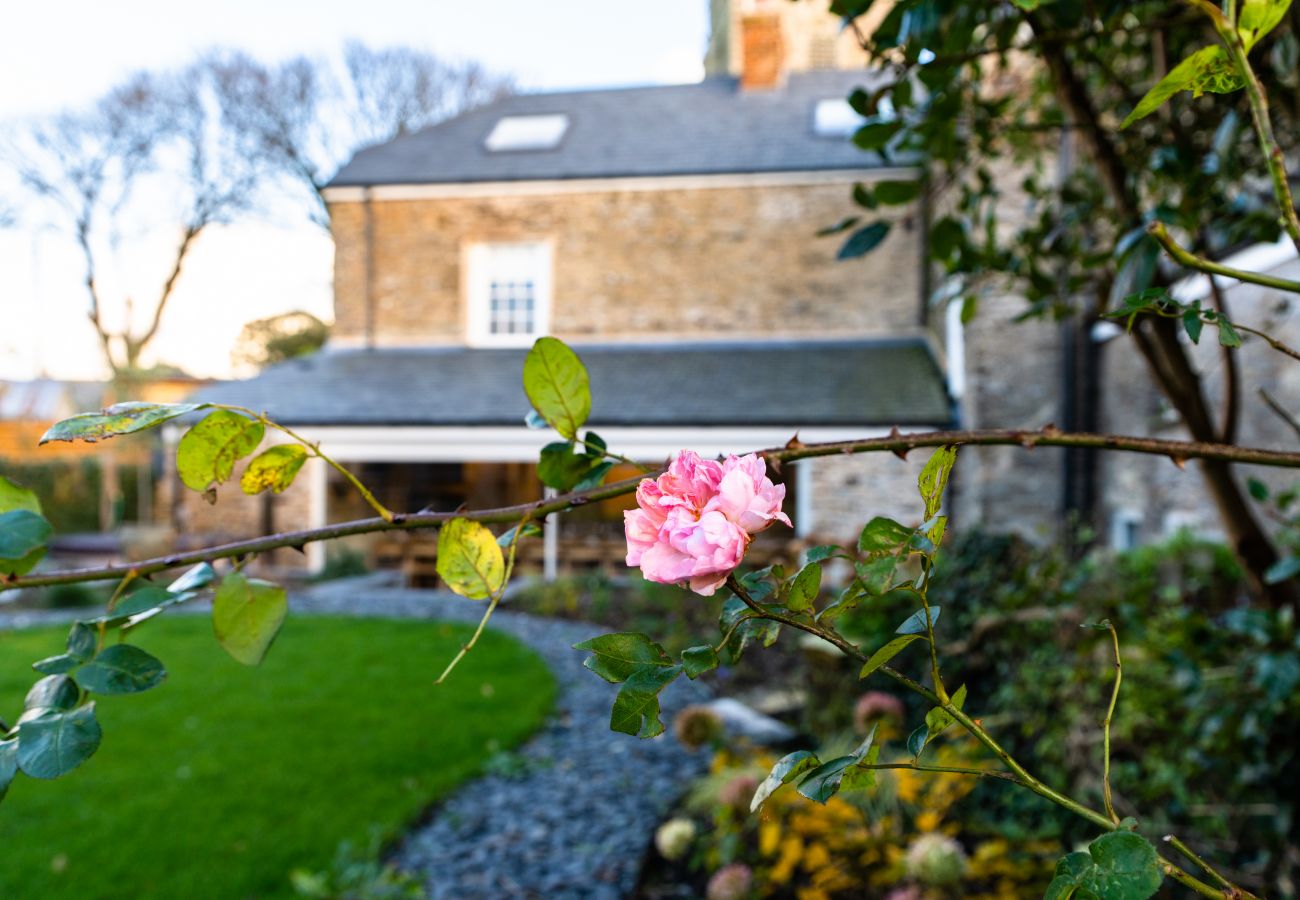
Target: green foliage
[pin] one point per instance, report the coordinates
(616, 657)
(864, 240)
(70, 491)
(342, 562)
(888, 652)
(786, 770)
(233, 777)
(643, 668)
(568, 465)
(246, 616)
(1208, 69)
(54, 743)
(118, 419)
(265, 342)
(1258, 17)
(207, 453)
(556, 383)
(357, 874)
(1117, 866)
(23, 534)
(469, 559)
(121, 669)
(274, 469)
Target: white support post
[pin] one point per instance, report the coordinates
(550, 542)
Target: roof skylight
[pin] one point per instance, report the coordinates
(527, 132)
(835, 118)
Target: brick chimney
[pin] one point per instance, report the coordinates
(762, 51)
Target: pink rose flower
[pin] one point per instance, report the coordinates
(693, 523)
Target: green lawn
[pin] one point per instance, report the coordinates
(221, 780)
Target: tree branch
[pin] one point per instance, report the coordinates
(1185, 257)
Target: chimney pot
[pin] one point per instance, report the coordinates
(762, 51)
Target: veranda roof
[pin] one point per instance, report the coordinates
(855, 383)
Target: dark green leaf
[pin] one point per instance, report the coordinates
(1287, 567)
(141, 600)
(636, 708)
(470, 560)
(1257, 488)
(839, 227)
(883, 535)
(8, 765)
(874, 136)
(121, 418)
(556, 383)
(1120, 865)
(23, 534)
(915, 623)
(843, 773)
(207, 453)
(56, 665)
(865, 197)
(934, 478)
(698, 660)
(247, 615)
(888, 652)
(946, 238)
(121, 669)
(1228, 336)
(595, 478)
(864, 240)
(82, 641)
(1192, 324)
(560, 467)
(916, 741)
(894, 193)
(53, 692)
(848, 599)
(1208, 69)
(615, 657)
(57, 742)
(822, 552)
(274, 469)
(970, 307)
(804, 588)
(876, 577)
(787, 769)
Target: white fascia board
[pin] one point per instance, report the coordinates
(429, 444)
(615, 185)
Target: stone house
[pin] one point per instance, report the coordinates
(669, 235)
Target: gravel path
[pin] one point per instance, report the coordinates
(575, 815)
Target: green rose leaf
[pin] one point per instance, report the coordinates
(121, 669)
(595, 478)
(1258, 18)
(51, 694)
(843, 773)
(195, 578)
(470, 560)
(56, 665)
(864, 240)
(805, 587)
(888, 652)
(698, 660)
(934, 478)
(916, 741)
(120, 418)
(894, 193)
(616, 657)
(636, 708)
(23, 534)
(14, 496)
(938, 719)
(786, 770)
(883, 535)
(915, 623)
(556, 383)
(1209, 69)
(207, 454)
(8, 765)
(247, 615)
(823, 552)
(1118, 866)
(274, 469)
(561, 468)
(57, 742)
(528, 529)
(82, 641)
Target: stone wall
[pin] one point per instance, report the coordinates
(847, 491)
(707, 263)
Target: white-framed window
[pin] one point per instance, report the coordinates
(508, 292)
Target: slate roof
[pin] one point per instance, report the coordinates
(711, 127)
(857, 383)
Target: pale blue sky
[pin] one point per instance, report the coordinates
(54, 54)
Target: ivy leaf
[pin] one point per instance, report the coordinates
(57, 742)
(246, 616)
(560, 467)
(1228, 336)
(786, 770)
(863, 241)
(1209, 69)
(1120, 865)
(556, 383)
(636, 708)
(23, 534)
(888, 652)
(207, 453)
(934, 478)
(616, 657)
(1192, 324)
(1258, 18)
(122, 669)
(274, 469)
(8, 765)
(120, 418)
(915, 623)
(805, 588)
(470, 560)
(883, 535)
(698, 660)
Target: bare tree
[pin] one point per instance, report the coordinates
(304, 117)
